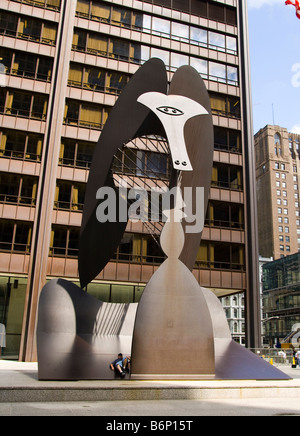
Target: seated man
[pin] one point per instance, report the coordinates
(120, 364)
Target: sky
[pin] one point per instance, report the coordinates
(274, 33)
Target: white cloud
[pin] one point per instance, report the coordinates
(296, 129)
(260, 3)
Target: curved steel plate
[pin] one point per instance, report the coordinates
(127, 120)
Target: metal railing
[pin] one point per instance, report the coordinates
(28, 37)
(23, 113)
(15, 247)
(95, 87)
(276, 356)
(68, 205)
(228, 147)
(40, 4)
(20, 155)
(18, 200)
(224, 224)
(75, 163)
(219, 265)
(227, 185)
(82, 123)
(27, 74)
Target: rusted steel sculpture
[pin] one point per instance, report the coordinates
(179, 329)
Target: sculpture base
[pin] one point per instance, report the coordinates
(172, 377)
(78, 337)
(235, 362)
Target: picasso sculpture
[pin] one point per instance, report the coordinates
(178, 330)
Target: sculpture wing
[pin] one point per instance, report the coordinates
(128, 119)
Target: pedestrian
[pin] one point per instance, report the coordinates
(120, 364)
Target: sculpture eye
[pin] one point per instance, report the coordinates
(168, 110)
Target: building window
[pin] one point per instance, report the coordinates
(138, 249)
(27, 65)
(227, 139)
(20, 145)
(97, 79)
(23, 104)
(142, 163)
(17, 189)
(130, 51)
(64, 241)
(69, 195)
(225, 105)
(83, 114)
(277, 139)
(48, 4)
(205, 9)
(76, 153)
(224, 215)
(119, 16)
(228, 177)
(221, 256)
(28, 28)
(15, 236)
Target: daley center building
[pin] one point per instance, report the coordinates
(63, 65)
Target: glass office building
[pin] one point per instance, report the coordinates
(63, 65)
(281, 297)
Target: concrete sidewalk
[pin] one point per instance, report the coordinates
(21, 393)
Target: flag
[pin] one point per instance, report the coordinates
(295, 3)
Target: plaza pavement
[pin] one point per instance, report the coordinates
(22, 394)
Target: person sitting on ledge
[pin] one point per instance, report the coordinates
(120, 365)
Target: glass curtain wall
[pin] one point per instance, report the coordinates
(12, 300)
